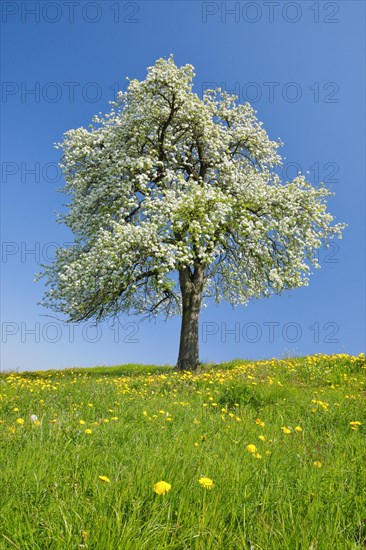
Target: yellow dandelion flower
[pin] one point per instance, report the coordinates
(262, 437)
(105, 479)
(88, 431)
(298, 429)
(20, 421)
(260, 422)
(317, 464)
(206, 482)
(251, 448)
(286, 430)
(162, 487)
(81, 422)
(355, 424)
(257, 455)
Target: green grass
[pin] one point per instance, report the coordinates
(151, 423)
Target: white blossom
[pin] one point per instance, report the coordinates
(166, 181)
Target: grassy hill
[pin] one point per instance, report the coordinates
(258, 455)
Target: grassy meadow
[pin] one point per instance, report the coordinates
(254, 455)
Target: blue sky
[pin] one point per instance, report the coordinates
(301, 64)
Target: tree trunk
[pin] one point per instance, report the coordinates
(191, 286)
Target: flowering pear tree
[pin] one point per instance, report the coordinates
(174, 200)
